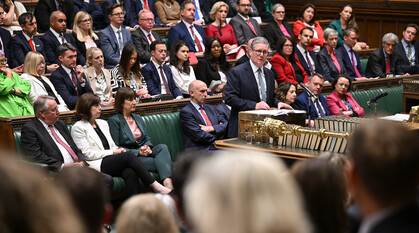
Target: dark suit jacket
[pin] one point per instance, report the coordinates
(51, 44)
(6, 39)
(272, 32)
(44, 8)
(376, 66)
(190, 119)
(122, 134)
(94, 10)
(318, 67)
(243, 31)
(404, 61)
(152, 79)
(180, 32)
(330, 71)
(223, 110)
(141, 42)
(66, 89)
(245, 59)
(136, 7)
(242, 93)
(81, 47)
(204, 72)
(20, 47)
(127, 18)
(110, 47)
(40, 147)
(347, 62)
(301, 103)
(404, 220)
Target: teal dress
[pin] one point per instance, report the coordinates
(13, 105)
(338, 27)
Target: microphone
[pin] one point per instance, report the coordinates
(311, 94)
(374, 100)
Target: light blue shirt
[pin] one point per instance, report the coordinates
(198, 108)
(348, 51)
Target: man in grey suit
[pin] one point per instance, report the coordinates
(114, 37)
(143, 36)
(244, 26)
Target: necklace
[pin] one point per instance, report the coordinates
(168, 6)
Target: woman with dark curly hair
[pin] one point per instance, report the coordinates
(213, 68)
(288, 67)
(182, 72)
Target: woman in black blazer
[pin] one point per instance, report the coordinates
(277, 28)
(83, 35)
(213, 68)
(330, 59)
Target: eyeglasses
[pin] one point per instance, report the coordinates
(245, 5)
(119, 14)
(148, 20)
(85, 21)
(259, 52)
(4, 60)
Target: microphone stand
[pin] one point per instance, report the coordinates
(375, 108)
(309, 95)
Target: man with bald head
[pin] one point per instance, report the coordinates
(44, 8)
(201, 123)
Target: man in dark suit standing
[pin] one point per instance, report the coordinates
(46, 139)
(250, 85)
(408, 50)
(158, 76)
(200, 122)
(319, 107)
(56, 36)
(192, 34)
(384, 60)
(244, 26)
(44, 8)
(24, 41)
(383, 177)
(69, 80)
(306, 57)
(350, 57)
(144, 36)
(114, 37)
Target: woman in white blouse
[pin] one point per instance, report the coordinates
(33, 70)
(182, 72)
(99, 78)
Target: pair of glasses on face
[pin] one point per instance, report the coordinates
(4, 60)
(259, 52)
(119, 14)
(85, 21)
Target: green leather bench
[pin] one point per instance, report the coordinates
(163, 128)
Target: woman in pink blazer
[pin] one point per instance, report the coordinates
(341, 99)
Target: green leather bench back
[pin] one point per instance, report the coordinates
(364, 62)
(389, 105)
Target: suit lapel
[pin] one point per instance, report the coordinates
(125, 128)
(25, 42)
(211, 116)
(91, 133)
(46, 135)
(252, 79)
(114, 40)
(197, 114)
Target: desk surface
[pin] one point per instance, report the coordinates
(288, 153)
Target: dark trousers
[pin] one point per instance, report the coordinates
(127, 166)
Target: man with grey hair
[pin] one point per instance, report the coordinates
(251, 85)
(69, 80)
(383, 61)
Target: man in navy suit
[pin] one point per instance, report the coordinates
(192, 34)
(200, 122)
(319, 106)
(69, 80)
(56, 36)
(113, 38)
(250, 85)
(307, 58)
(44, 8)
(350, 58)
(158, 76)
(383, 177)
(24, 41)
(408, 50)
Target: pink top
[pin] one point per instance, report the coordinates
(284, 31)
(334, 59)
(335, 103)
(134, 129)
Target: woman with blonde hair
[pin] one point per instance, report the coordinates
(98, 77)
(83, 35)
(255, 195)
(33, 70)
(147, 214)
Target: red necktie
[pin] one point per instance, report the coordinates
(388, 64)
(205, 117)
(198, 43)
(358, 75)
(164, 80)
(150, 38)
(146, 5)
(251, 26)
(73, 77)
(31, 44)
(73, 155)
